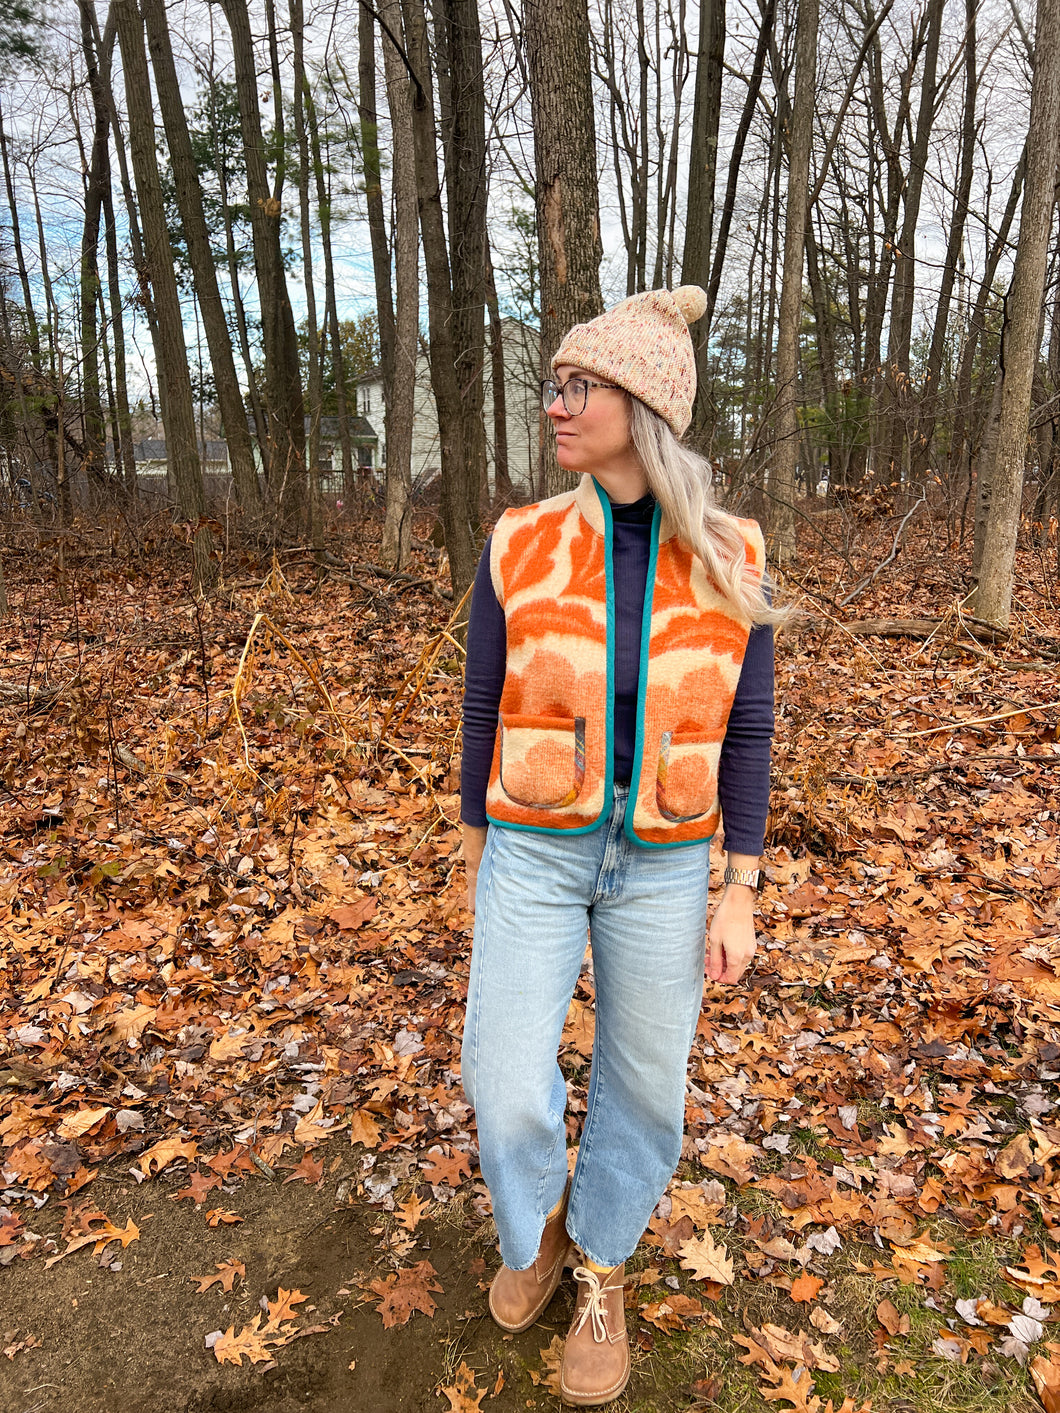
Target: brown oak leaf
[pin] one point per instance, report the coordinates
(405, 1292)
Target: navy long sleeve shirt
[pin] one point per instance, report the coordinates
(743, 770)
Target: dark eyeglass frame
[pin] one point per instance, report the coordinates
(550, 390)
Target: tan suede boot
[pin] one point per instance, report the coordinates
(595, 1365)
(517, 1298)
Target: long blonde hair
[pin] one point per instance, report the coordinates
(681, 481)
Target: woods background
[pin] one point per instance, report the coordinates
(221, 219)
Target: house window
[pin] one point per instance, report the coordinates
(364, 458)
(366, 401)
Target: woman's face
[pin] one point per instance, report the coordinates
(597, 438)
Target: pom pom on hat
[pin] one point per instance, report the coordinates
(692, 302)
(643, 345)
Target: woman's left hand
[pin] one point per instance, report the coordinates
(732, 934)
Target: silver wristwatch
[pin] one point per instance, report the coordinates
(748, 876)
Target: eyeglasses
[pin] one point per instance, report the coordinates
(574, 392)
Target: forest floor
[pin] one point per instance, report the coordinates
(236, 1168)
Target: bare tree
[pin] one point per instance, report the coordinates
(991, 599)
(782, 480)
(181, 449)
(555, 35)
(200, 256)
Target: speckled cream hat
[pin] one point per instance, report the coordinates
(644, 346)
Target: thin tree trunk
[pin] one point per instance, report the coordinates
(754, 89)
(331, 309)
(699, 212)
(97, 179)
(20, 257)
(930, 392)
(466, 191)
(397, 525)
(896, 386)
(200, 255)
(285, 456)
(456, 522)
(782, 483)
(502, 480)
(556, 37)
(373, 189)
(316, 372)
(991, 599)
(181, 450)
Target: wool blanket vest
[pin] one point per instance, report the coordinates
(552, 762)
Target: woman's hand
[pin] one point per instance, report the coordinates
(732, 934)
(473, 842)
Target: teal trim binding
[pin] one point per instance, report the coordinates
(642, 688)
(609, 776)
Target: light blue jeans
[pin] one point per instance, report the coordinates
(645, 911)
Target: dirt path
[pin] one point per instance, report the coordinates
(127, 1330)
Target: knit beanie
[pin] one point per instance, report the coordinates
(643, 345)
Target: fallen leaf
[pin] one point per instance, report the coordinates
(166, 1151)
(890, 1319)
(99, 1237)
(451, 1170)
(805, 1287)
(707, 1261)
(225, 1277)
(1046, 1376)
(199, 1184)
(309, 1170)
(407, 1291)
(462, 1394)
(79, 1123)
(364, 1129)
(353, 915)
(282, 1308)
(217, 1216)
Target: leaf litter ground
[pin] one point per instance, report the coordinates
(237, 1167)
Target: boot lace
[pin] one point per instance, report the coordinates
(594, 1309)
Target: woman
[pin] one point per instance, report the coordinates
(619, 697)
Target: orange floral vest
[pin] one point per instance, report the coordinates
(552, 762)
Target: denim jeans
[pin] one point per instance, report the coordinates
(645, 911)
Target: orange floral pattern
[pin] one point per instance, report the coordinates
(549, 571)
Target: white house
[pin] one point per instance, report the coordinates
(521, 345)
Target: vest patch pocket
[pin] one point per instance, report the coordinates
(542, 762)
(685, 782)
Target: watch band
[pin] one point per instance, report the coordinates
(747, 876)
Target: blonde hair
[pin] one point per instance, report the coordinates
(681, 481)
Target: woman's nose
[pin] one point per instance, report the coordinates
(557, 407)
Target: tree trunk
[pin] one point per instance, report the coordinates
(397, 525)
(20, 257)
(331, 308)
(97, 179)
(782, 476)
(200, 256)
(456, 523)
(699, 212)
(124, 453)
(896, 387)
(285, 445)
(373, 190)
(467, 190)
(181, 449)
(502, 480)
(556, 37)
(991, 599)
(316, 374)
(929, 397)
